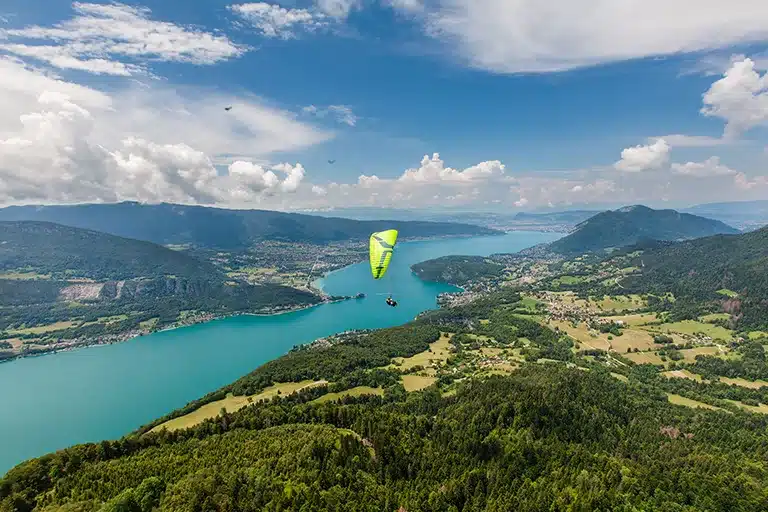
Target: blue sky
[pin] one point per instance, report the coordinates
(528, 105)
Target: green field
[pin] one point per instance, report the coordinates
(760, 409)
(714, 316)
(632, 339)
(645, 358)
(687, 402)
(620, 302)
(568, 280)
(417, 382)
(691, 327)
(233, 403)
(149, 324)
(727, 292)
(744, 383)
(438, 353)
(43, 329)
(690, 354)
(23, 276)
(682, 374)
(582, 335)
(633, 320)
(358, 391)
(529, 303)
(107, 320)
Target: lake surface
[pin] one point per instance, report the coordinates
(57, 400)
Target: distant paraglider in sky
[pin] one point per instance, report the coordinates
(382, 245)
(228, 108)
(331, 161)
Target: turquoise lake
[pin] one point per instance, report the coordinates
(57, 400)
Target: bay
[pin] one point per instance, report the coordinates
(53, 401)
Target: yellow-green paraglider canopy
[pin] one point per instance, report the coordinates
(382, 244)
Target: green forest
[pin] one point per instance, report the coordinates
(696, 270)
(545, 438)
(560, 433)
(458, 270)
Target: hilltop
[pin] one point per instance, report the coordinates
(631, 224)
(218, 228)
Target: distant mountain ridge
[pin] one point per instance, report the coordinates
(631, 224)
(66, 263)
(221, 228)
(48, 248)
(745, 215)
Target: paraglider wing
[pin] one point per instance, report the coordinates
(382, 244)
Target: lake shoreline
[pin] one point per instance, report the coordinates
(88, 396)
(314, 287)
(131, 335)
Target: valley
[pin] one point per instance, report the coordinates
(64, 287)
(587, 353)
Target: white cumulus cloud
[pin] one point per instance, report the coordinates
(643, 158)
(534, 36)
(63, 142)
(99, 35)
(709, 167)
(433, 170)
(744, 183)
(740, 98)
(273, 20)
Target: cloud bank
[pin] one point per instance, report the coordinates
(63, 142)
(99, 35)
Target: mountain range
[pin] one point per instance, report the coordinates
(218, 228)
(745, 215)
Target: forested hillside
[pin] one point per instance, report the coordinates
(221, 228)
(457, 270)
(626, 226)
(698, 269)
(63, 251)
(62, 286)
(543, 436)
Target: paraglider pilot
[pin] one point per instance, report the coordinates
(382, 245)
